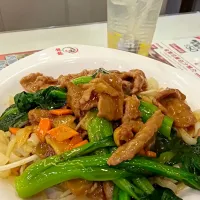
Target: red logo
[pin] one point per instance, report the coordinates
(66, 50)
(59, 51)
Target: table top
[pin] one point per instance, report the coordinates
(168, 27)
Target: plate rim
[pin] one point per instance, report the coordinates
(38, 57)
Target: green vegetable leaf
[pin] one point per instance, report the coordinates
(49, 98)
(25, 101)
(12, 117)
(186, 155)
(147, 110)
(162, 194)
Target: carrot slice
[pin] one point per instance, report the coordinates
(151, 154)
(80, 143)
(75, 140)
(44, 127)
(13, 130)
(62, 132)
(62, 111)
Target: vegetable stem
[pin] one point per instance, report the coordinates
(164, 170)
(123, 195)
(37, 167)
(82, 80)
(99, 128)
(147, 110)
(58, 174)
(128, 188)
(39, 177)
(115, 193)
(165, 157)
(144, 184)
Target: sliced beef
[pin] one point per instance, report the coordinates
(130, 123)
(141, 139)
(92, 103)
(35, 115)
(132, 112)
(137, 79)
(74, 95)
(110, 108)
(108, 188)
(105, 93)
(110, 105)
(99, 85)
(36, 81)
(126, 131)
(127, 87)
(133, 126)
(172, 103)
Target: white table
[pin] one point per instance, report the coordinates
(168, 27)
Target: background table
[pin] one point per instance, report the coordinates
(168, 27)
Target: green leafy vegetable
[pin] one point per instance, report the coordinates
(187, 155)
(82, 80)
(58, 174)
(115, 193)
(147, 110)
(49, 98)
(144, 184)
(128, 188)
(99, 128)
(162, 194)
(181, 153)
(87, 79)
(123, 195)
(166, 157)
(42, 175)
(155, 167)
(37, 167)
(16, 115)
(12, 117)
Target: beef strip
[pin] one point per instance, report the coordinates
(132, 112)
(171, 102)
(108, 188)
(36, 81)
(74, 95)
(168, 93)
(127, 131)
(137, 79)
(133, 126)
(130, 125)
(35, 115)
(131, 148)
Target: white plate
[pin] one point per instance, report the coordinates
(74, 58)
